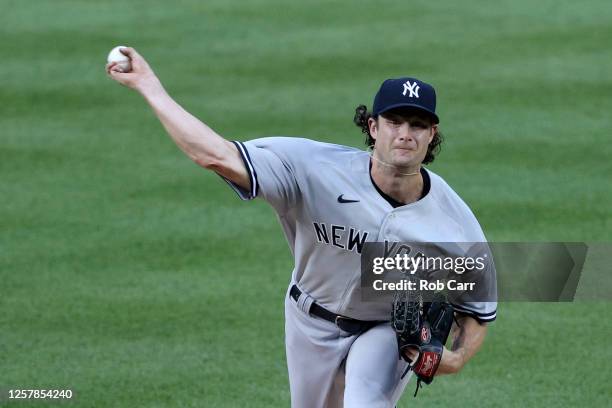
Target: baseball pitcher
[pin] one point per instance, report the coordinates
(331, 200)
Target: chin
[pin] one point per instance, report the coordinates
(406, 165)
(403, 161)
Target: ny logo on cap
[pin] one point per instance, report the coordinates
(413, 88)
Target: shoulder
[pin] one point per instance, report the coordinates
(296, 149)
(449, 201)
(286, 142)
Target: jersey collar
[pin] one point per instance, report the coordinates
(394, 203)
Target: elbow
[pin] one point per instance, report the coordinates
(208, 162)
(211, 159)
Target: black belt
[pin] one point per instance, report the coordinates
(347, 324)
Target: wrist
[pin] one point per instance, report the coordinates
(452, 362)
(457, 361)
(152, 89)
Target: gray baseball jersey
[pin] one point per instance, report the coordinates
(328, 207)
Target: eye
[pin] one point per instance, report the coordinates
(419, 125)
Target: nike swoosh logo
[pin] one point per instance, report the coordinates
(341, 199)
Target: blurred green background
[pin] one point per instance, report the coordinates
(133, 277)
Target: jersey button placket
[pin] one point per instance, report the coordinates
(390, 227)
(385, 231)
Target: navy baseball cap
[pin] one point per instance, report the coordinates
(405, 92)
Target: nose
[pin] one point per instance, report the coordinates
(406, 133)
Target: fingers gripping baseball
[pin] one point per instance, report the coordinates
(140, 77)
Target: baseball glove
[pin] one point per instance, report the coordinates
(424, 326)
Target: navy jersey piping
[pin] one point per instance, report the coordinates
(246, 159)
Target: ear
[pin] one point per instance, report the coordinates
(373, 127)
(434, 129)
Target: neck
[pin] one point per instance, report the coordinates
(403, 184)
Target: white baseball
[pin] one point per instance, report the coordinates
(123, 62)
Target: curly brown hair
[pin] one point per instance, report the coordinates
(361, 120)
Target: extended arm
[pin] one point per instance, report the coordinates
(202, 144)
(467, 337)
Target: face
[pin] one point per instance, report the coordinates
(401, 137)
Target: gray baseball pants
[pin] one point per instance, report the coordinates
(330, 368)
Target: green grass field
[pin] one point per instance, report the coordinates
(136, 279)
